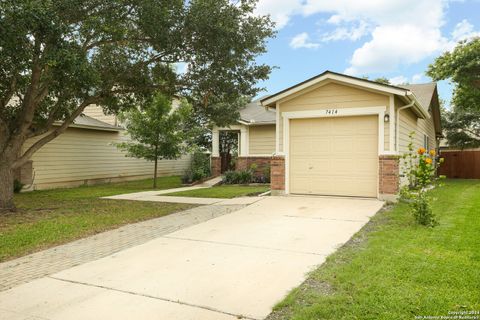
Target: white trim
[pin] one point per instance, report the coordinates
(233, 127)
(215, 142)
(342, 112)
(340, 78)
(391, 112)
(277, 129)
(261, 155)
(243, 142)
(330, 113)
(389, 153)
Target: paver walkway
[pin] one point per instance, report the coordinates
(46, 262)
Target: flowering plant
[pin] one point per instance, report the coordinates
(419, 167)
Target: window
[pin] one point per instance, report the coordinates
(425, 142)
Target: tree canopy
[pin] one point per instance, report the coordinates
(59, 56)
(157, 130)
(462, 67)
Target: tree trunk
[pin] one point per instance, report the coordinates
(155, 174)
(6, 188)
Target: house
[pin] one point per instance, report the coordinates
(86, 154)
(335, 134)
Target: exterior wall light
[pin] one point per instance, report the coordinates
(386, 118)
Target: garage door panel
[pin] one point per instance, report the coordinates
(302, 184)
(301, 168)
(318, 144)
(334, 156)
(300, 148)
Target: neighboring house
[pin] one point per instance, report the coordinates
(337, 135)
(86, 154)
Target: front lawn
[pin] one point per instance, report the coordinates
(396, 269)
(222, 191)
(51, 217)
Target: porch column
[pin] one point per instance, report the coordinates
(215, 142)
(243, 141)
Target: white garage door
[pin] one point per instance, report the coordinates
(334, 156)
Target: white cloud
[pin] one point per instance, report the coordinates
(402, 32)
(464, 30)
(302, 41)
(398, 80)
(280, 10)
(417, 78)
(392, 46)
(352, 33)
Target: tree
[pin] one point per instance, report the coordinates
(157, 131)
(462, 67)
(382, 80)
(58, 57)
(228, 145)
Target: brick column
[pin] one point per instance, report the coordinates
(389, 177)
(216, 166)
(277, 175)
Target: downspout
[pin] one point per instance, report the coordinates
(397, 118)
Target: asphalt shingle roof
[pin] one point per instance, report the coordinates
(255, 113)
(89, 122)
(423, 91)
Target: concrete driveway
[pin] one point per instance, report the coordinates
(236, 265)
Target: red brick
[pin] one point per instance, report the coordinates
(389, 179)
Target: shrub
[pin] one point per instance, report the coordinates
(17, 186)
(187, 177)
(199, 168)
(422, 210)
(237, 177)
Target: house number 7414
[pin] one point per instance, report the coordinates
(331, 111)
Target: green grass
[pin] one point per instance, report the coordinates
(51, 217)
(396, 269)
(222, 191)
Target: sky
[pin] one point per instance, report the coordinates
(396, 39)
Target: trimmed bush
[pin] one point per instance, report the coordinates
(237, 177)
(199, 168)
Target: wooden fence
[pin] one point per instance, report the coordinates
(460, 164)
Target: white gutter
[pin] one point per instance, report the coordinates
(397, 119)
(420, 109)
(247, 123)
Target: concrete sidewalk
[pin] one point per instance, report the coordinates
(155, 195)
(234, 266)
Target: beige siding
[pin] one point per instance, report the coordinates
(261, 140)
(96, 112)
(332, 95)
(82, 156)
(409, 122)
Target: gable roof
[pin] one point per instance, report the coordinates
(423, 91)
(421, 110)
(86, 122)
(254, 113)
(427, 95)
(333, 76)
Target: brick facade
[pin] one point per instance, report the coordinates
(246, 162)
(216, 163)
(389, 175)
(277, 174)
